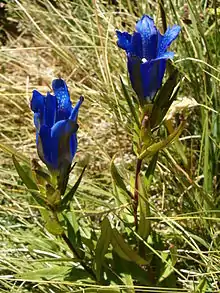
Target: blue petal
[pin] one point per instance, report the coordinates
(38, 106)
(136, 45)
(124, 40)
(75, 110)
(37, 102)
(165, 40)
(37, 121)
(73, 144)
(152, 75)
(134, 69)
(50, 110)
(167, 55)
(149, 34)
(37, 125)
(64, 105)
(61, 133)
(44, 145)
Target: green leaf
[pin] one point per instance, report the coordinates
(118, 180)
(24, 175)
(153, 149)
(150, 171)
(130, 103)
(102, 246)
(144, 223)
(74, 233)
(137, 272)
(124, 250)
(164, 100)
(28, 181)
(52, 224)
(69, 196)
(43, 175)
(9, 150)
(144, 226)
(173, 252)
(168, 269)
(51, 273)
(202, 286)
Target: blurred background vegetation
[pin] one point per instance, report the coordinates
(75, 40)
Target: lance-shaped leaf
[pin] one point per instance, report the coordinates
(102, 245)
(119, 180)
(153, 149)
(130, 103)
(144, 223)
(52, 224)
(124, 250)
(74, 233)
(28, 181)
(9, 150)
(69, 195)
(164, 100)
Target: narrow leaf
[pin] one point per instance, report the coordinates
(102, 246)
(118, 179)
(144, 223)
(73, 232)
(164, 99)
(124, 250)
(130, 103)
(150, 170)
(9, 150)
(24, 176)
(69, 195)
(168, 269)
(150, 151)
(28, 181)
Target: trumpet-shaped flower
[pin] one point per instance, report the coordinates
(56, 125)
(147, 55)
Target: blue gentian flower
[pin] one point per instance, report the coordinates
(147, 55)
(56, 125)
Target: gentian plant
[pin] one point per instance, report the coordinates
(124, 255)
(147, 55)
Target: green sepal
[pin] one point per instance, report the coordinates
(145, 132)
(53, 196)
(65, 201)
(42, 177)
(164, 99)
(102, 246)
(154, 148)
(124, 250)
